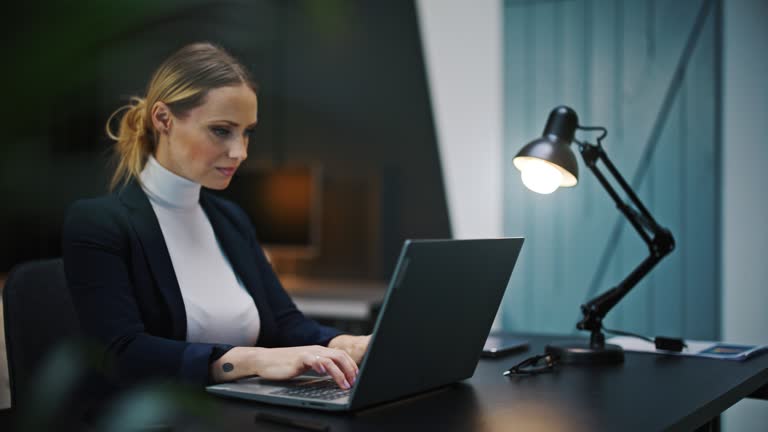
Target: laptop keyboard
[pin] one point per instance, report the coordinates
(325, 390)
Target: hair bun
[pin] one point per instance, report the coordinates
(131, 118)
(137, 116)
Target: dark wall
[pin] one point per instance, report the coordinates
(342, 85)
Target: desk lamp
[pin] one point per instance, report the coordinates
(547, 163)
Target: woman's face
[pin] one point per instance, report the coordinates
(207, 143)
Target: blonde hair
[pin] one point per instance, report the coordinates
(182, 82)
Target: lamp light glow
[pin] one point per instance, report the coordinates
(567, 179)
(540, 176)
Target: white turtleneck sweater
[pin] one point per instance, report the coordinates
(219, 309)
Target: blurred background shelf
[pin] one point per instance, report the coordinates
(347, 304)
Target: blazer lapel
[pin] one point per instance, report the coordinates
(151, 238)
(237, 250)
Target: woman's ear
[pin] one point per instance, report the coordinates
(161, 117)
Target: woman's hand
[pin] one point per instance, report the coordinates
(355, 346)
(285, 363)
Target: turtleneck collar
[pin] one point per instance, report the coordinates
(166, 188)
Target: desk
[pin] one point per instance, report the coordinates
(648, 392)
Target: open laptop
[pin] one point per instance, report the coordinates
(436, 315)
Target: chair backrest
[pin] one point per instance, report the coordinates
(39, 315)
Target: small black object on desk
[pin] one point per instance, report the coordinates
(669, 344)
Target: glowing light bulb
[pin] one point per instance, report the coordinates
(541, 177)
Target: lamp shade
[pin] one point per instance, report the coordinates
(548, 162)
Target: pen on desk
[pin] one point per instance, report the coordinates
(297, 423)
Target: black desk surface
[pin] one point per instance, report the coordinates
(647, 392)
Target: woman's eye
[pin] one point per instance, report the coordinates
(249, 132)
(220, 131)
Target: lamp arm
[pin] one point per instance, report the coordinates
(644, 216)
(659, 240)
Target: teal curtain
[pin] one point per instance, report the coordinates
(648, 71)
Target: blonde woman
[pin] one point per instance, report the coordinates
(170, 278)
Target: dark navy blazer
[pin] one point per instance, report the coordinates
(127, 297)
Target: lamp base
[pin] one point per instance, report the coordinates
(581, 353)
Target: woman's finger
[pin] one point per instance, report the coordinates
(345, 363)
(333, 370)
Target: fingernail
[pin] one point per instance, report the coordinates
(346, 384)
(322, 369)
(352, 381)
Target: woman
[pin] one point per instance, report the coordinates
(170, 278)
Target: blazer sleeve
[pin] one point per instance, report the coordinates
(97, 266)
(293, 327)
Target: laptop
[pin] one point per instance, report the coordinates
(433, 323)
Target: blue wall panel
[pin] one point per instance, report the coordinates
(646, 70)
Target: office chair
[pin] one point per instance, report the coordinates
(39, 316)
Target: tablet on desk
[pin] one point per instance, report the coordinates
(498, 345)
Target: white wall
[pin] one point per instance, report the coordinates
(463, 54)
(745, 207)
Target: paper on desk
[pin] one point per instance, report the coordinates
(708, 349)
